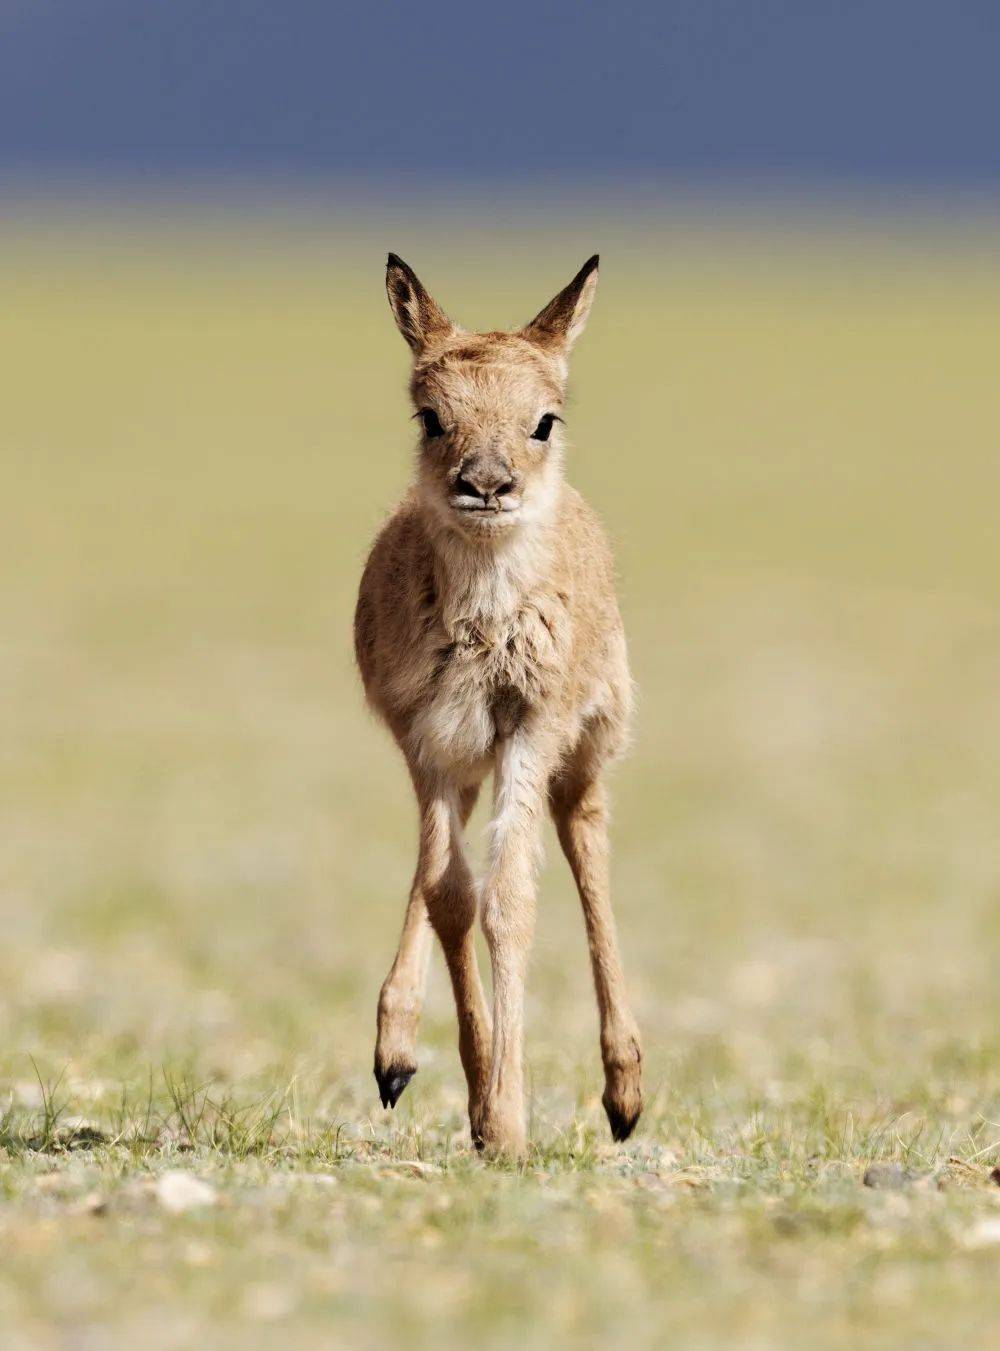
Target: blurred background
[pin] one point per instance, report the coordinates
(785, 408)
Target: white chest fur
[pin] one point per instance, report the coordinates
(496, 660)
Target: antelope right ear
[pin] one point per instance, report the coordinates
(418, 315)
(562, 321)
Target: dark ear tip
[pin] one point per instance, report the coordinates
(394, 260)
(591, 264)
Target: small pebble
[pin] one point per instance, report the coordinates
(984, 1234)
(93, 1204)
(178, 1191)
(887, 1176)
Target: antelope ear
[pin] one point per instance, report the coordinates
(418, 315)
(562, 321)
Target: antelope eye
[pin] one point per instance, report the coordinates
(431, 423)
(541, 432)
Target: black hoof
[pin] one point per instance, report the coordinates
(622, 1126)
(391, 1083)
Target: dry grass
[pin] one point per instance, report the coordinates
(206, 844)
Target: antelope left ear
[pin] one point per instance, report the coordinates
(562, 321)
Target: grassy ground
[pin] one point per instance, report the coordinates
(206, 844)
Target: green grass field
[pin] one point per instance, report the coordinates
(206, 842)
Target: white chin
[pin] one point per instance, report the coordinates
(487, 521)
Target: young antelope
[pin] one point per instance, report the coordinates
(488, 637)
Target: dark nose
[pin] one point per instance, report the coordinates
(484, 479)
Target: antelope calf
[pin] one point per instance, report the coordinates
(488, 638)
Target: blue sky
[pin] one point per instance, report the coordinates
(889, 90)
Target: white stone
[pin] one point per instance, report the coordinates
(984, 1234)
(177, 1191)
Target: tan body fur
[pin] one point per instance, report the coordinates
(488, 638)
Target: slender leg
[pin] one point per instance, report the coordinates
(508, 914)
(450, 894)
(579, 807)
(401, 998)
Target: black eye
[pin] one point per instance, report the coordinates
(432, 424)
(541, 432)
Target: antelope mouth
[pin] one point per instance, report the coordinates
(501, 512)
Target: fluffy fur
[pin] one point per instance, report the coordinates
(488, 637)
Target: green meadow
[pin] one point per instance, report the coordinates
(206, 842)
